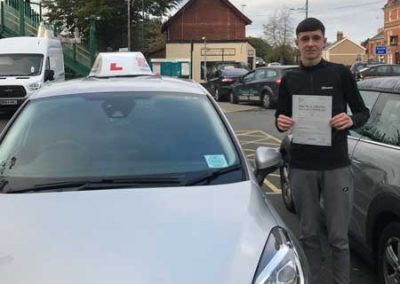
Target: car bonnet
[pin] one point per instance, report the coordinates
(203, 234)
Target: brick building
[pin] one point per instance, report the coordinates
(344, 51)
(207, 31)
(391, 30)
(377, 40)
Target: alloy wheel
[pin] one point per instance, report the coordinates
(266, 100)
(391, 261)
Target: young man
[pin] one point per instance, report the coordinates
(317, 170)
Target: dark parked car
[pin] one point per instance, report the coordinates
(374, 151)
(220, 85)
(260, 85)
(357, 67)
(379, 71)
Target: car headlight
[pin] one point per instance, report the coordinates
(280, 262)
(34, 86)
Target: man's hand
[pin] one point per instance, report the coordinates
(285, 122)
(341, 121)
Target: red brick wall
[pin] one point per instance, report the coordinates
(210, 18)
(392, 28)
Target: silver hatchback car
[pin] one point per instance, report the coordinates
(137, 180)
(374, 151)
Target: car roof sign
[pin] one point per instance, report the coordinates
(116, 64)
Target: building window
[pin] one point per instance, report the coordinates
(393, 40)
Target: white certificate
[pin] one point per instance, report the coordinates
(312, 115)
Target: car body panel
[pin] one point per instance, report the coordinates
(151, 235)
(379, 70)
(265, 81)
(185, 234)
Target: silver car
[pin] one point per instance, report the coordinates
(137, 180)
(374, 151)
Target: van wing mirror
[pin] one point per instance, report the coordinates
(49, 75)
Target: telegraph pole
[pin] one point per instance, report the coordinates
(306, 9)
(129, 23)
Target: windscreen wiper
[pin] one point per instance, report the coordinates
(211, 175)
(106, 183)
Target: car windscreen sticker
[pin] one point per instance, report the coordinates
(216, 161)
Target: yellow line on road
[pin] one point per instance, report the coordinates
(271, 186)
(272, 137)
(254, 141)
(250, 150)
(248, 132)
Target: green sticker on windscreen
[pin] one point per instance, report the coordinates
(216, 161)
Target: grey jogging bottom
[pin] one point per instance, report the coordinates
(336, 189)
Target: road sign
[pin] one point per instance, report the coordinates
(380, 49)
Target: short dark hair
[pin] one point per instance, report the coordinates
(310, 25)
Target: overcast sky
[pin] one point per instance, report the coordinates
(358, 19)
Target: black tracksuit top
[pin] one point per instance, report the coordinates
(323, 79)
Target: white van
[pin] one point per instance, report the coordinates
(26, 64)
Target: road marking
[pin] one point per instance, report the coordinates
(254, 141)
(272, 137)
(250, 150)
(247, 132)
(273, 193)
(271, 186)
(259, 138)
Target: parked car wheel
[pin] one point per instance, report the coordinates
(218, 96)
(286, 190)
(233, 99)
(388, 252)
(266, 100)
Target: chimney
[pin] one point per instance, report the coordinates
(339, 36)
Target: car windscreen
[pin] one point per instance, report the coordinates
(116, 134)
(21, 64)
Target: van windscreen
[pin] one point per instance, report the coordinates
(21, 64)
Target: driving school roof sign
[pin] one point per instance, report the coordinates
(109, 64)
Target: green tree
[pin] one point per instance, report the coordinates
(263, 49)
(112, 14)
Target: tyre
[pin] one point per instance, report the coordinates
(286, 191)
(266, 100)
(388, 254)
(218, 96)
(233, 98)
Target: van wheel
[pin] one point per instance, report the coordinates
(266, 100)
(233, 98)
(286, 190)
(389, 254)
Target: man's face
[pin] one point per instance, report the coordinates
(310, 44)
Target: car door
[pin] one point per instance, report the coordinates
(384, 70)
(243, 88)
(375, 160)
(396, 70)
(258, 82)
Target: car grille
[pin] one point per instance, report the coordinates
(12, 92)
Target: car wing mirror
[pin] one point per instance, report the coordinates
(48, 75)
(267, 160)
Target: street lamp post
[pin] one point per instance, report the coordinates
(306, 9)
(205, 57)
(129, 25)
(301, 9)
